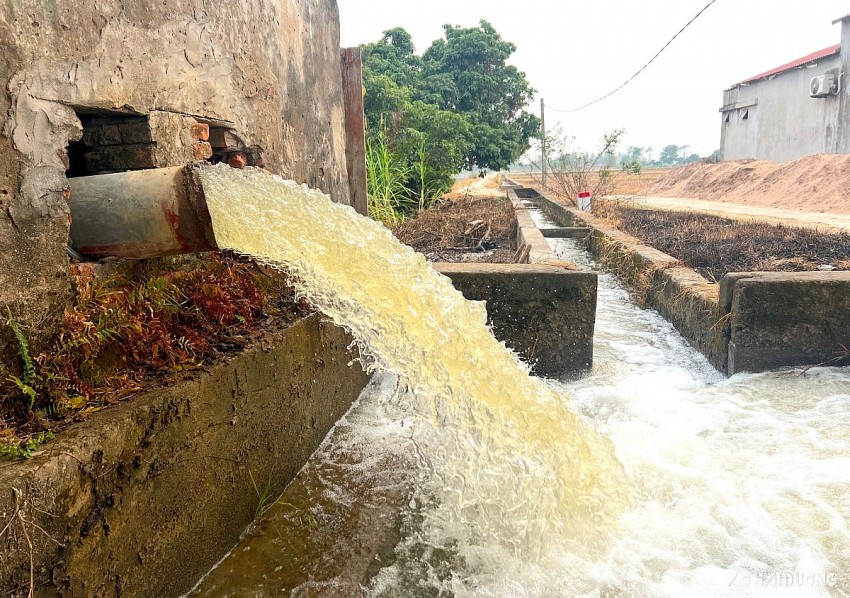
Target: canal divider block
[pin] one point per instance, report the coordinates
(785, 318)
(545, 313)
(143, 499)
(543, 309)
(750, 322)
(574, 232)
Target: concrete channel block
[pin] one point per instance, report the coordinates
(656, 279)
(145, 498)
(780, 319)
(545, 313)
(751, 322)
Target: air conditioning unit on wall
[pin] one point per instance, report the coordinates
(824, 86)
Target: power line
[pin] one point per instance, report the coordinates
(642, 69)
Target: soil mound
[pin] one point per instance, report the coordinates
(812, 184)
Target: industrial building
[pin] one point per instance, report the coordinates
(798, 109)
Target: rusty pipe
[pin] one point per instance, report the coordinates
(140, 214)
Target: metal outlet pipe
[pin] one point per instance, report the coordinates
(140, 214)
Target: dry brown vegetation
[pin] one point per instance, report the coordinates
(716, 246)
(469, 229)
(123, 334)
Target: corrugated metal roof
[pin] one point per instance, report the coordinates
(814, 57)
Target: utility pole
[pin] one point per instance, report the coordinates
(543, 143)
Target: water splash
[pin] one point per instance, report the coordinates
(507, 452)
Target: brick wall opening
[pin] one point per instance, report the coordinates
(229, 148)
(111, 142)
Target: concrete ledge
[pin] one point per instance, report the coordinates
(577, 232)
(779, 319)
(529, 236)
(545, 313)
(143, 499)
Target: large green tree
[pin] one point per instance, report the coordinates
(470, 68)
(459, 105)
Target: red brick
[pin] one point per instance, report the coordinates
(237, 160)
(202, 151)
(201, 131)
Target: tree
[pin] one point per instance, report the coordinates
(464, 74)
(669, 155)
(471, 67)
(574, 172)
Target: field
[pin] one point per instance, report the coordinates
(716, 246)
(467, 229)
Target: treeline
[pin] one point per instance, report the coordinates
(457, 106)
(636, 158)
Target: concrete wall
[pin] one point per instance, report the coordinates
(751, 322)
(545, 313)
(786, 318)
(656, 279)
(267, 70)
(143, 499)
(784, 122)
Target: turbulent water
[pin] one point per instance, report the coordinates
(507, 451)
(737, 487)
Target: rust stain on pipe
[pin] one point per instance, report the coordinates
(140, 214)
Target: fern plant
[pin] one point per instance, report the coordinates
(26, 383)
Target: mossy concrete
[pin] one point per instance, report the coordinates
(787, 318)
(545, 313)
(141, 500)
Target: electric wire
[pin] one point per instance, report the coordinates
(642, 69)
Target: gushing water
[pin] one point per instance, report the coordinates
(736, 487)
(507, 451)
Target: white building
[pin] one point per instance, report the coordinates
(798, 109)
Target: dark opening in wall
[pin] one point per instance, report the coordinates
(746, 115)
(111, 142)
(229, 148)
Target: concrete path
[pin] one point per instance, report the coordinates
(817, 220)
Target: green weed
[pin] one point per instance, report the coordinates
(27, 380)
(26, 449)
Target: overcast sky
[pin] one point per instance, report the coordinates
(575, 52)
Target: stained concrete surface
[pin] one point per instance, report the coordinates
(545, 313)
(141, 500)
(267, 69)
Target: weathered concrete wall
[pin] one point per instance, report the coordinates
(531, 242)
(545, 313)
(143, 499)
(751, 322)
(269, 70)
(574, 232)
(784, 122)
(778, 319)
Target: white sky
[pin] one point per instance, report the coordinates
(574, 52)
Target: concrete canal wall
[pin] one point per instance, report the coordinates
(143, 499)
(751, 322)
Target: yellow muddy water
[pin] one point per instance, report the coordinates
(513, 456)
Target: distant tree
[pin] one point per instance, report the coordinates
(669, 155)
(459, 105)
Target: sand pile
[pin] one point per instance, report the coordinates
(811, 184)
